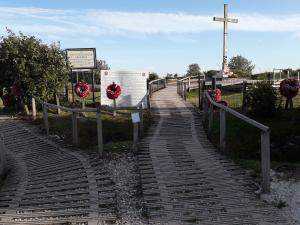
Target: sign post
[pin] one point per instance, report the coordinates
(82, 58)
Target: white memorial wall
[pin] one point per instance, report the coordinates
(133, 87)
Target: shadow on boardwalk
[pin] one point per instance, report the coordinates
(184, 179)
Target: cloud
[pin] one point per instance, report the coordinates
(100, 22)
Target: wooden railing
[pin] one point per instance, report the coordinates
(138, 128)
(75, 112)
(184, 84)
(156, 85)
(209, 105)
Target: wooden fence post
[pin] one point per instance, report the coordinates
(205, 109)
(141, 124)
(202, 93)
(265, 159)
(45, 117)
(222, 130)
(244, 96)
(165, 82)
(213, 83)
(57, 103)
(75, 128)
(150, 90)
(135, 136)
(99, 132)
(149, 105)
(189, 84)
(184, 91)
(3, 161)
(33, 105)
(210, 118)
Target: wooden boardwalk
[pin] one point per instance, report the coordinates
(185, 180)
(49, 184)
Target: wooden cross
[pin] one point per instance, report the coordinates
(225, 20)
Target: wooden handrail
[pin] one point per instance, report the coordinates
(237, 114)
(150, 85)
(265, 134)
(138, 132)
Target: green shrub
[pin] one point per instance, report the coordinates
(261, 99)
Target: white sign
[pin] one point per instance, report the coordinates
(82, 58)
(133, 87)
(135, 117)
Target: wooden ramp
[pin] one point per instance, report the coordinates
(49, 184)
(184, 179)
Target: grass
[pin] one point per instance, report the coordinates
(243, 140)
(234, 99)
(117, 131)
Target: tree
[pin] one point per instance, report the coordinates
(194, 70)
(101, 65)
(241, 66)
(211, 73)
(39, 69)
(153, 76)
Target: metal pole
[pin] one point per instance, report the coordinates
(72, 85)
(93, 86)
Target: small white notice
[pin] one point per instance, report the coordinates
(135, 117)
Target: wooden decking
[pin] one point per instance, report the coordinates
(49, 184)
(185, 180)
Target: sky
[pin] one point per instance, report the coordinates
(163, 36)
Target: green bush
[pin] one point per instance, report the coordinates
(261, 99)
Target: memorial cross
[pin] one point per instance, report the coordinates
(225, 20)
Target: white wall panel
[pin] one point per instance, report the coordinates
(133, 87)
